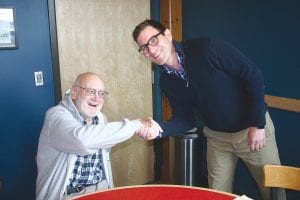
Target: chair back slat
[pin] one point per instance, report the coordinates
(282, 177)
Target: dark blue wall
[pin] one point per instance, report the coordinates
(22, 104)
(268, 33)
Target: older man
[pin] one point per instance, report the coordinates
(73, 150)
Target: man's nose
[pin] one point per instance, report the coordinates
(97, 96)
(151, 49)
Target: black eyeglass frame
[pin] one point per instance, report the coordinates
(145, 46)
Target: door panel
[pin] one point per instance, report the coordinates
(22, 104)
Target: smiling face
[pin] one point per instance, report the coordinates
(161, 53)
(88, 105)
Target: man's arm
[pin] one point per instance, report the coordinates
(66, 133)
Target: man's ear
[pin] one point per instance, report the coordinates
(168, 34)
(73, 93)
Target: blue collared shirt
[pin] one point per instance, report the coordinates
(180, 73)
(88, 169)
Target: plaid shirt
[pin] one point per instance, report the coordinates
(88, 169)
(180, 73)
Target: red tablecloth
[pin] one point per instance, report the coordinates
(158, 192)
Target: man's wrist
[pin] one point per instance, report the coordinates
(159, 135)
(146, 122)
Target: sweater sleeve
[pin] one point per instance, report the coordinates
(69, 135)
(234, 63)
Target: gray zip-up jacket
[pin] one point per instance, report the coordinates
(64, 136)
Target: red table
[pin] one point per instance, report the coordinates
(157, 192)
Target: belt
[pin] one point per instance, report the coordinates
(77, 189)
(101, 185)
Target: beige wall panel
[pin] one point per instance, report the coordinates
(95, 35)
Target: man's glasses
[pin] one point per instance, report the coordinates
(153, 41)
(92, 92)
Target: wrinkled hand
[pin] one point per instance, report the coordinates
(256, 138)
(150, 129)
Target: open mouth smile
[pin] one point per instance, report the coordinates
(93, 105)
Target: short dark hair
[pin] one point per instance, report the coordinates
(148, 22)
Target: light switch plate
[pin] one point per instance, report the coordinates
(39, 79)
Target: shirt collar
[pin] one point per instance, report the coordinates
(181, 72)
(94, 122)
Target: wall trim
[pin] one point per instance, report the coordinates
(54, 51)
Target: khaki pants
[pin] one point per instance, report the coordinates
(224, 150)
(102, 185)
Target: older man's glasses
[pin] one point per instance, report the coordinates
(153, 41)
(92, 92)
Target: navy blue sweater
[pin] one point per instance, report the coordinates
(223, 86)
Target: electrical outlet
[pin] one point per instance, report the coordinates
(39, 79)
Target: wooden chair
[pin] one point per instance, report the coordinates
(277, 176)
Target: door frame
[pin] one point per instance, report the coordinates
(54, 51)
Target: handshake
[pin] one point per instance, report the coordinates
(150, 129)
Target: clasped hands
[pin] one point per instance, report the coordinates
(150, 129)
